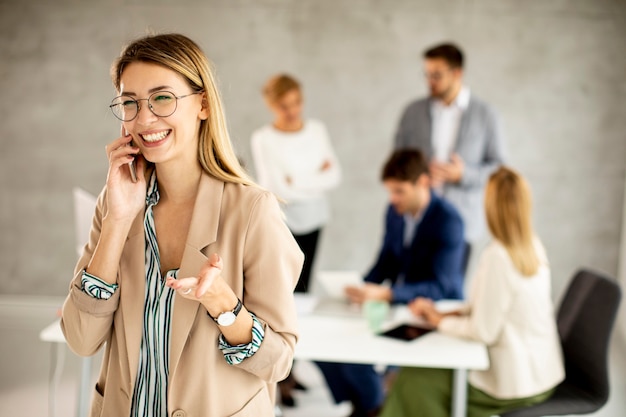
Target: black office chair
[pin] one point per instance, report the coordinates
(585, 322)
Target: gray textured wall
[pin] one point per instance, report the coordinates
(554, 69)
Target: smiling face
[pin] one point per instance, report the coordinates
(163, 139)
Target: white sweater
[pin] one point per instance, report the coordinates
(514, 316)
(298, 156)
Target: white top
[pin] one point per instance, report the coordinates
(446, 120)
(290, 165)
(513, 315)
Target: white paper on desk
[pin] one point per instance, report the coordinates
(402, 314)
(448, 306)
(334, 283)
(305, 303)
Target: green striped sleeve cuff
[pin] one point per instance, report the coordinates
(234, 355)
(96, 287)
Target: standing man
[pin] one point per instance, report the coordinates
(458, 133)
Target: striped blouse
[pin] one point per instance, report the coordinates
(150, 392)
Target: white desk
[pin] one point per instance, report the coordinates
(53, 334)
(433, 350)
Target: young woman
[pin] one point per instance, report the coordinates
(510, 310)
(188, 274)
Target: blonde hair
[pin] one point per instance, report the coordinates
(184, 56)
(276, 87)
(508, 205)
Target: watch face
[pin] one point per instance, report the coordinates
(226, 319)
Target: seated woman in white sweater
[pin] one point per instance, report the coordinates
(509, 309)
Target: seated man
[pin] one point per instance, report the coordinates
(423, 250)
(422, 256)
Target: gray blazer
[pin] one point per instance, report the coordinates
(479, 144)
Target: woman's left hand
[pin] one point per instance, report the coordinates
(432, 316)
(213, 292)
(425, 308)
(207, 287)
(418, 305)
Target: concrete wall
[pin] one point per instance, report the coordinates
(621, 320)
(555, 70)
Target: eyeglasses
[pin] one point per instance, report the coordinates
(160, 103)
(436, 76)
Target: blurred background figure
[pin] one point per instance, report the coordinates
(422, 250)
(294, 158)
(510, 310)
(458, 133)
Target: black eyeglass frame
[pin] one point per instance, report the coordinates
(138, 106)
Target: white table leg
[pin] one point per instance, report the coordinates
(85, 387)
(459, 393)
(56, 368)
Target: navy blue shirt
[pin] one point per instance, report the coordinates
(432, 265)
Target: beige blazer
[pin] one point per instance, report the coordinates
(513, 315)
(262, 263)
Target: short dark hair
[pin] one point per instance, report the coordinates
(449, 52)
(405, 165)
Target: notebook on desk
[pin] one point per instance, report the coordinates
(333, 300)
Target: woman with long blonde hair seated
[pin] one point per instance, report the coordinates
(509, 309)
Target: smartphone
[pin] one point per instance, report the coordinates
(131, 167)
(131, 164)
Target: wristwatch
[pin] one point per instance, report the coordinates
(227, 318)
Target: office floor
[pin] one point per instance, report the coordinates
(25, 364)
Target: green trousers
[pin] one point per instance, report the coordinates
(427, 392)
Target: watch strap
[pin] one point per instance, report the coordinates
(235, 311)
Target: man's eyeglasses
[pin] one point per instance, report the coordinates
(160, 103)
(437, 75)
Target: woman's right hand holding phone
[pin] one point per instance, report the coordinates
(125, 198)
